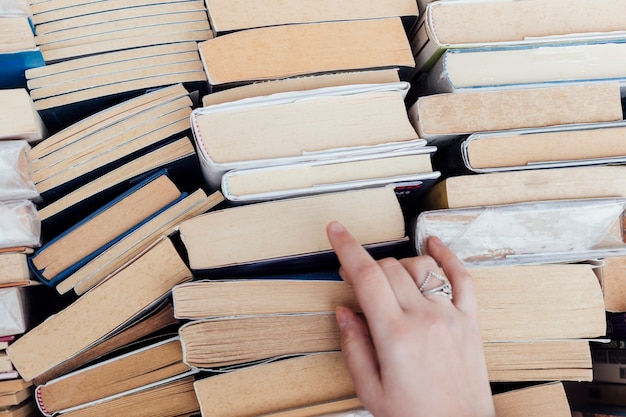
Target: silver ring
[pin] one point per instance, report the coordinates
(444, 289)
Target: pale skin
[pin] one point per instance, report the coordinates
(415, 355)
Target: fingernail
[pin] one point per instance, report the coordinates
(434, 240)
(343, 317)
(335, 227)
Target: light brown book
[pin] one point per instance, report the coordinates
(115, 302)
(547, 399)
(101, 119)
(333, 408)
(169, 398)
(9, 386)
(16, 33)
(158, 318)
(110, 30)
(229, 16)
(59, 10)
(115, 257)
(510, 289)
(528, 185)
(275, 386)
(19, 119)
(445, 24)
(330, 47)
(107, 224)
(303, 83)
(575, 144)
(250, 230)
(108, 137)
(140, 366)
(613, 286)
(14, 269)
(445, 115)
(220, 342)
(15, 398)
(539, 360)
(166, 155)
(102, 16)
(25, 409)
(212, 298)
(240, 340)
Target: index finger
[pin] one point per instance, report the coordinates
(371, 286)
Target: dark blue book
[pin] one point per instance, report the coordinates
(90, 236)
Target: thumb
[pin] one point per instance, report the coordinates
(359, 354)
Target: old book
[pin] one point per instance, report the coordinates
(539, 360)
(347, 119)
(15, 398)
(411, 164)
(251, 228)
(212, 298)
(90, 236)
(142, 365)
(115, 257)
(275, 386)
(303, 83)
(87, 28)
(141, 284)
(547, 399)
(18, 50)
(106, 140)
(14, 269)
(452, 24)
(158, 319)
(169, 397)
(445, 115)
(530, 185)
(585, 318)
(529, 232)
(19, 119)
(611, 273)
(171, 155)
(337, 46)
(25, 409)
(66, 93)
(504, 67)
(14, 385)
(570, 145)
(236, 341)
(348, 407)
(229, 16)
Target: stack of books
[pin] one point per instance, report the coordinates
(213, 141)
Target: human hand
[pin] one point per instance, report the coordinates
(418, 355)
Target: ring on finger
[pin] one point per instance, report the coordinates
(445, 289)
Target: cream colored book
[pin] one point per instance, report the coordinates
(19, 119)
(306, 125)
(464, 24)
(330, 47)
(246, 234)
(438, 117)
(228, 15)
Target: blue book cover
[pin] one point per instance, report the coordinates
(77, 265)
(13, 66)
